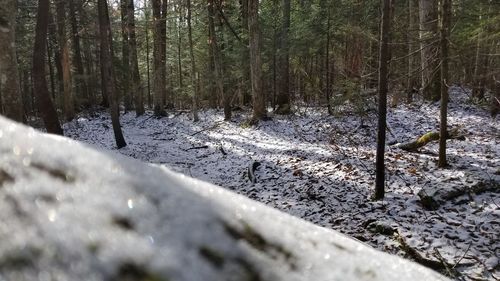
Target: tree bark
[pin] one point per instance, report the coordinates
(411, 82)
(146, 16)
(385, 29)
(158, 65)
(9, 75)
(68, 102)
(445, 33)
(108, 75)
(126, 76)
(43, 100)
(429, 49)
(328, 89)
(217, 60)
(259, 102)
(283, 98)
(136, 86)
(80, 77)
(164, 7)
(193, 64)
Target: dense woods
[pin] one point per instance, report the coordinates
(269, 54)
(270, 59)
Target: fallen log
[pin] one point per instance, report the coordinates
(427, 138)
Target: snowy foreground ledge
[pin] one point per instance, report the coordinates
(71, 212)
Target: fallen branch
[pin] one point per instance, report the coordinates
(419, 258)
(427, 138)
(198, 147)
(207, 129)
(251, 171)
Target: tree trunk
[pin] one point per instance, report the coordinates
(179, 46)
(245, 56)
(133, 61)
(429, 49)
(217, 60)
(9, 75)
(158, 65)
(411, 83)
(69, 106)
(283, 98)
(81, 77)
(164, 7)
(259, 102)
(146, 16)
(108, 75)
(445, 33)
(193, 64)
(44, 103)
(385, 29)
(125, 69)
(328, 70)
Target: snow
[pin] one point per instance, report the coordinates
(71, 212)
(321, 168)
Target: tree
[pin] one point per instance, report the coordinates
(217, 61)
(283, 99)
(80, 77)
(159, 85)
(258, 97)
(411, 81)
(43, 100)
(9, 75)
(428, 13)
(134, 63)
(445, 33)
(69, 107)
(108, 75)
(125, 67)
(383, 72)
(193, 64)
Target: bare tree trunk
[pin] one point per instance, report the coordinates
(133, 63)
(385, 29)
(9, 75)
(69, 106)
(193, 64)
(125, 69)
(146, 16)
(259, 101)
(429, 49)
(81, 77)
(445, 33)
(158, 65)
(217, 59)
(328, 70)
(44, 103)
(283, 98)
(411, 83)
(245, 56)
(164, 7)
(108, 74)
(179, 46)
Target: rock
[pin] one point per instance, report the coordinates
(433, 197)
(69, 211)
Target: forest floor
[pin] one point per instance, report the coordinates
(321, 168)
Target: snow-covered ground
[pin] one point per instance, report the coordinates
(69, 212)
(321, 168)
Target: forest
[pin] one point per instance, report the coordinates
(376, 118)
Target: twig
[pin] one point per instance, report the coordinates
(207, 129)
(198, 147)
(465, 253)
